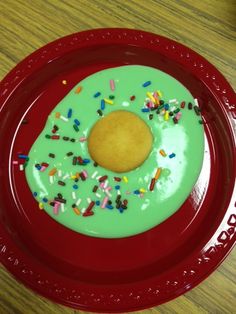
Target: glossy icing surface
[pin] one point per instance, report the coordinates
(145, 209)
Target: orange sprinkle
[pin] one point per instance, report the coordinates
(158, 173)
(163, 153)
(76, 210)
(57, 115)
(52, 172)
(77, 175)
(78, 90)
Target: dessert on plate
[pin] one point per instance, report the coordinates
(119, 154)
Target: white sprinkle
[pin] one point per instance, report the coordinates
(63, 118)
(108, 194)
(98, 195)
(51, 180)
(98, 177)
(118, 192)
(172, 108)
(62, 207)
(196, 102)
(176, 102)
(59, 173)
(105, 184)
(88, 200)
(73, 195)
(94, 174)
(172, 100)
(21, 167)
(83, 210)
(65, 176)
(78, 202)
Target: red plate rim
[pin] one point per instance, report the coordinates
(197, 267)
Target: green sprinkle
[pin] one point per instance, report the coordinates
(48, 136)
(111, 97)
(76, 128)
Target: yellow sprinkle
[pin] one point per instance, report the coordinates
(166, 116)
(73, 177)
(125, 179)
(157, 174)
(57, 115)
(163, 153)
(64, 82)
(40, 205)
(108, 101)
(76, 210)
(159, 93)
(142, 190)
(151, 97)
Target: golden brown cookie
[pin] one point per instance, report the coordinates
(121, 141)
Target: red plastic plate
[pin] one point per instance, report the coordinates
(119, 275)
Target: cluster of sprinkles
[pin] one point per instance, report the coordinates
(106, 192)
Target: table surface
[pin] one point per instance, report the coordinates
(208, 27)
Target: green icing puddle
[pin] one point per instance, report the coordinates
(145, 210)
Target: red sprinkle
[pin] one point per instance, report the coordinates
(132, 98)
(182, 105)
(88, 211)
(152, 185)
(117, 179)
(44, 164)
(125, 202)
(55, 137)
(103, 178)
(54, 130)
(80, 160)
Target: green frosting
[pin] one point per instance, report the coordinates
(146, 210)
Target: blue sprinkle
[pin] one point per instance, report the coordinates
(38, 167)
(86, 161)
(35, 194)
(75, 186)
(172, 155)
(121, 210)
(137, 192)
(22, 156)
(97, 203)
(45, 200)
(77, 122)
(146, 83)
(117, 187)
(97, 94)
(69, 113)
(166, 106)
(102, 104)
(109, 206)
(145, 109)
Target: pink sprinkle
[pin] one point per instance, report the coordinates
(112, 84)
(15, 162)
(56, 208)
(83, 139)
(178, 115)
(102, 185)
(104, 202)
(43, 168)
(85, 173)
(109, 188)
(155, 95)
